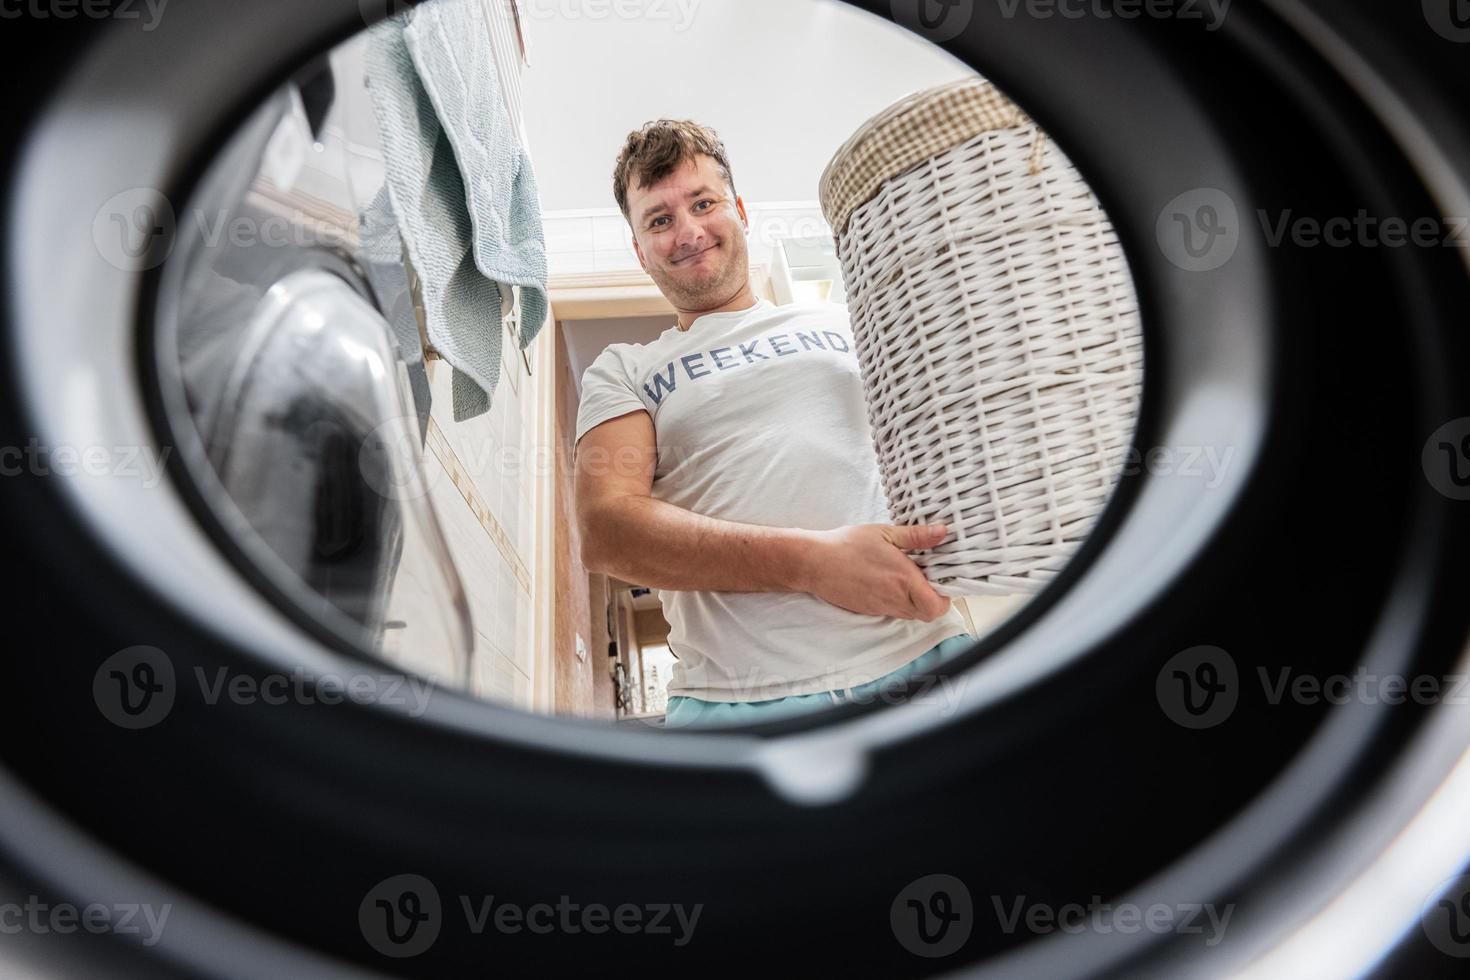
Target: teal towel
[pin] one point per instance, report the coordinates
(462, 187)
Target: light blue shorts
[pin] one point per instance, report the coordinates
(686, 712)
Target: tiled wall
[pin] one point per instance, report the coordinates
(481, 475)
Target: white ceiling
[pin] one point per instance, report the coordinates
(784, 82)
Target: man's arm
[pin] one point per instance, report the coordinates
(627, 533)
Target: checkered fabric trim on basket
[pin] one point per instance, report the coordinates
(906, 134)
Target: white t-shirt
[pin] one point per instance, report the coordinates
(759, 418)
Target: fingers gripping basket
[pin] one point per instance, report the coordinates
(996, 331)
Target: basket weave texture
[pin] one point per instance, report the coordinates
(996, 330)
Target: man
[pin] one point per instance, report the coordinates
(729, 464)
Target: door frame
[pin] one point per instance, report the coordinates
(576, 296)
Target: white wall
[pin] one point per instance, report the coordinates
(784, 82)
(585, 339)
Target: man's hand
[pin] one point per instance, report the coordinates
(863, 568)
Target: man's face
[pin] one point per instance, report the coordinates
(689, 233)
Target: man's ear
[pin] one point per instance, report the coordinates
(638, 251)
(740, 206)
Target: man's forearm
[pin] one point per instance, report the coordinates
(656, 544)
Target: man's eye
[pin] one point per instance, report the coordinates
(705, 202)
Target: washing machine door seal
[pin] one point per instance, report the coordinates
(793, 824)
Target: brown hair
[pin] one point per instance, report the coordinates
(661, 147)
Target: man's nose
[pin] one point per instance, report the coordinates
(689, 237)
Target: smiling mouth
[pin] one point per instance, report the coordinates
(690, 258)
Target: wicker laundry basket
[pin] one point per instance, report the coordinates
(996, 331)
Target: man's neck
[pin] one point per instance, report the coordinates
(743, 300)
